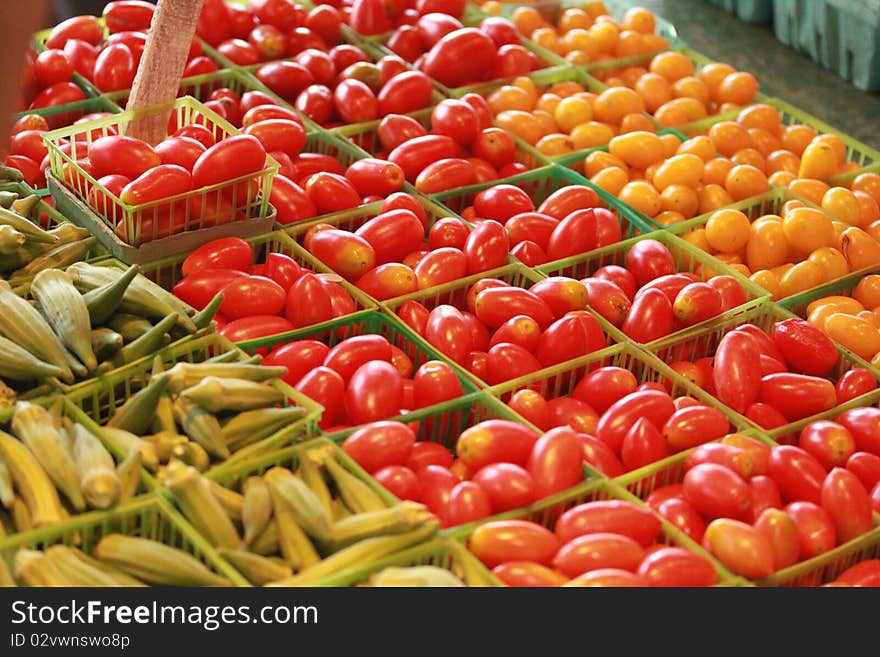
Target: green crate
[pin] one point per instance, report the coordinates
(856, 151)
(167, 273)
(364, 137)
(368, 322)
(98, 398)
(546, 511)
(688, 259)
(148, 516)
(767, 203)
(810, 572)
(143, 243)
(540, 184)
(444, 553)
(455, 294)
(702, 341)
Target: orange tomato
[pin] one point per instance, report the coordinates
(750, 156)
(573, 18)
(591, 134)
(868, 183)
(783, 160)
(767, 280)
(842, 303)
(716, 170)
(669, 217)
(671, 116)
(856, 334)
(781, 178)
(807, 229)
(819, 161)
(654, 90)
(767, 247)
(523, 124)
(762, 116)
(729, 137)
(727, 231)
(528, 19)
(508, 98)
(636, 122)
(691, 87)
(836, 144)
(638, 149)
(812, 190)
(861, 250)
(830, 262)
(680, 199)
(801, 277)
(670, 144)
(642, 196)
(639, 19)
(797, 137)
(713, 75)
(571, 112)
(765, 142)
(843, 205)
(713, 197)
(738, 88)
(598, 160)
(672, 65)
(745, 180)
(869, 210)
(615, 103)
(555, 144)
(686, 169)
(701, 146)
(867, 291)
(611, 179)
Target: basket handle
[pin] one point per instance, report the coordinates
(161, 66)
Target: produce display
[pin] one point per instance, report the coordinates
(540, 298)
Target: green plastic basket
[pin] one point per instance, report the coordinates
(167, 271)
(148, 516)
(139, 225)
(98, 398)
(856, 151)
(364, 136)
(687, 258)
(546, 511)
(368, 322)
(455, 294)
(540, 184)
(811, 572)
(767, 203)
(702, 341)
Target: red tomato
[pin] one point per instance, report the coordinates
(198, 132)
(566, 200)
(380, 444)
(285, 135)
(847, 502)
(531, 406)
(347, 356)
(433, 25)
(503, 541)
(331, 192)
(256, 326)
(674, 566)
(374, 392)
(355, 102)
(60, 93)
(440, 266)
(864, 425)
(797, 396)
(528, 574)
(607, 300)
(308, 302)
(182, 151)
(252, 295)
(495, 305)
(396, 129)
(52, 66)
(806, 348)
(780, 529)
(684, 516)
(495, 441)
(600, 550)
(740, 547)
(600, 456)
(239, 52)
(555, 462)
(696, 303)
(606, 385)
(798, 474)
(736, 374)
(650, 317)
(461, 57)
(400, 482)
(731, 291)
(655, 406)
(486, 247)
(392, 234)
(574, 234)
(765, 495)
(519, 330)
(508, 486)
(123, 155)
(299, 357)
(765, 416)
(670, 284)
(448, 173)
(114, 68)
(509, 361)
(562, 294)
(162, 181)
(865, 573)
(229, 159)
(649, 259)
(663, 493)
(830, 443)
(448, 331)
(290, 201)
(501, 202)
(414, 315)
(620, 277)
(347, 254)
(642, 445)
(717, 491)
(729, 456)
(435, 382)
(694, 426)
(200, 287)
(531, 226)
(609, 577)
(455, 119)
(468, 502)
(84, 28)
(388, 281)
(815, 528)
(373, 176)
(854, 383)
(199, 66)
(866, 467)
(495, 146)
(608, 229)
(414, 155)
(614, 516)
(427, 453)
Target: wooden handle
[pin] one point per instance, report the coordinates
(162, 64)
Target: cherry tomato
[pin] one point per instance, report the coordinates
(805, 348)
(122, 155)
(740, 547)
(461, 57)
(815, 527)
(864, 425)
(347, 356)
(599, 550)
(566, 200)
(448, 331)
(798, 474)
(528, 574)
(290, 201)
(256, 326)
(435, 382)
(729, 456)
(684, 516)
(781, 530)
(854, 383)
(495, 305)
(468, 502)
(427, 453)
(865, 573)
(509, 361)
(380, 444)
(162, 181)
(847, 502)
(828, 442)
(655, 406)
(299, 357)
(676, 567)
(642, 445)
(866, 467)
(501, 202)
(796, 396)
(650, 317)
(495, 441)
(229, 159)
(717, 491)
(607, 300)
(347, 254)
(600, 456)
(308, 302)
(736, 374)
(731, 291)
(696, 303)
(555, 462)
(606, 385)
(252, 295)
(200, 287)
(437, 483)
(694, 426)
(486, 247)
(440, 266)
(84, 28)
(448, 173)
(614, 516)
(621, 277)
(503, 541)
(414, 315)
(531, 406)
(400, 481)
(374, 392)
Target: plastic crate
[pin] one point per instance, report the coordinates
(140, 223)
(98, 398)
(702, 341)
(810, 572)
(364, 136)
(768, 203)
(166, 272)
(368, 322)
(841, 35)
(546, 511)
(455, 294)
(148, 516)
(750, 11)
(687, 258)
(540, 184)
(856, 151)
